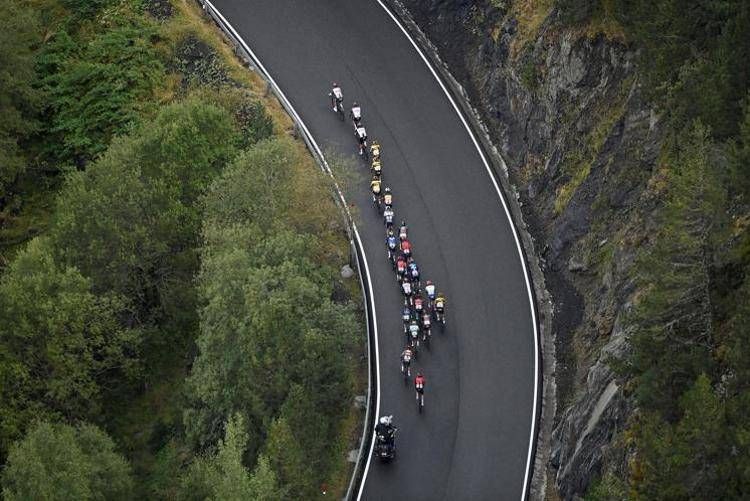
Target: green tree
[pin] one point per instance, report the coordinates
(131, 221)
(683, 460)
(59, 462)
(62, 348)
(674, 339)
(223, 477)
(19, 100)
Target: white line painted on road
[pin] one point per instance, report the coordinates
(306, 131)
(515, 236)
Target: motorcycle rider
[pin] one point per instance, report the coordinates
(356, 114)
(388, 215)
(406, 360)
(385, 430)
(337, 96)
(361, 138)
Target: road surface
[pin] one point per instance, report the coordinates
(472, 441)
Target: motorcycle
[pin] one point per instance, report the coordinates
(385, 447)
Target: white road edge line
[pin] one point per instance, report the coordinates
(515, 236)
(306, 131)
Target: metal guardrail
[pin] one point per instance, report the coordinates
(244, 52)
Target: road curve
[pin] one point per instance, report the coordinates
(473, 440)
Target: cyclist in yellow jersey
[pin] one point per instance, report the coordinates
(375, 186)
(375, 150)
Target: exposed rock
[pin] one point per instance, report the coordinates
(576, 265)
(159, 9)
(347, 271)
(565, 111)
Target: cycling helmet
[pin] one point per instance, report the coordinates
(387, 189)
(335, 84)
(384, 420)
(419, 374)
(429, 282)
(354, 104)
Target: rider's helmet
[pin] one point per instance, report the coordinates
(419, 374)
(354, 104)
(403, 223)
(390, 232)
(387, 189)
(429, 282)
(385, 420)
(335, 84)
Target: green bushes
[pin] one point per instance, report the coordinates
(96, 89)
(59, 462)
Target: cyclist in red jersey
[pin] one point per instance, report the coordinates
(406, 247)
(419, 384)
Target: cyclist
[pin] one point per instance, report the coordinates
(413, 334)
(429, 288)
(406, 318)
(375, 187)
(406, 360)
(407, 290)
(440, 307)
(426, 323)
(418, 304)
(337, 97)
(400, 267)
(361, 138)
(356, 114)
(402, 230)
(406, 247)
(376, 168)
(388, 197)
(388, 216)
(375, 150)
(390, 243)
(419, 384)
(413, 270)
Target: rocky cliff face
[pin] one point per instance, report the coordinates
(565, 110)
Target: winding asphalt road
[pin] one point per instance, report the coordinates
(472, 441)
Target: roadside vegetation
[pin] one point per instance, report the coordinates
(688, 369)
(173, 323)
